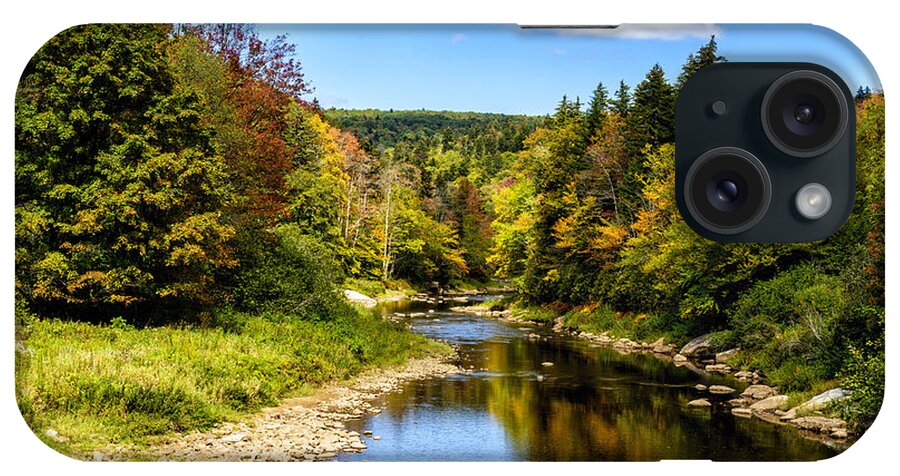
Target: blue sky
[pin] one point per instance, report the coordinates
(502, 68)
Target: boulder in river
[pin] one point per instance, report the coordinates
(697, 347)
(359, 298)
(679, 358)
(758, 392)
(737, 402)
(769, 404)
(547, 364)
(700, 387)
(700, 402)
(721, 389)
(742, 412)
(721, 368)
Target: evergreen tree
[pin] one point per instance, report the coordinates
(863, 94)
(622, 103)
(651, 119)
(597, 110)
(118, 166)
(706, 55)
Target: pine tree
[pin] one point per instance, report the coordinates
(562, 109)
(651, 119)
(863, 93)
(706, 55)
(597, 110)
(622, 102)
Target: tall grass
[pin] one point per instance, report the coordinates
(98, 385)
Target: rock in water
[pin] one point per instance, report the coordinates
(697, 347)
(720, 389)
(679, 358)
(742, 412)
(359, 298)
(758, 392)
(700, 402)
(547, 364)
(700, 387)
(721, 368)
(769, 404)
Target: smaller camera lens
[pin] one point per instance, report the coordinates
(727, 191)
(804, 114)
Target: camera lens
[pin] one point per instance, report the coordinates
(727, 190)
(804, 113)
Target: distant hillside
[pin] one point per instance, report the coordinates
(382, 129)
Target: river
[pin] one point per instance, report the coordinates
(592, 403)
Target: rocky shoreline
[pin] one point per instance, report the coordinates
(757, 400)
(309, 428)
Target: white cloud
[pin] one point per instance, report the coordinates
(650, 31)
(457, 38)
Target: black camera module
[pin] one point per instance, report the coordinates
(779, 166)
(804, 113)
(727, 190)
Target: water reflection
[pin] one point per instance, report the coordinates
(591, 404)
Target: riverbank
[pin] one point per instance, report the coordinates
(811, 412)
(88, 389)
(309, 428)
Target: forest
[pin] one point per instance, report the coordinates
(176, 192)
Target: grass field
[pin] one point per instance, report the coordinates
(114, 384)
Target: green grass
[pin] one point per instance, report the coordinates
(107, 385)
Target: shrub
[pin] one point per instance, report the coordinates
(800, 307)
(295, 277)
(864, 378)
(369, 287)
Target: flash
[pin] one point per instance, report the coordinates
(813, 201)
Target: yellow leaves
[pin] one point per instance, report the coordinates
(51, 275)
(564, 232)
(608, 237)
(31, 222)
(199, 239)
(552, 276)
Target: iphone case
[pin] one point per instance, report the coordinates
(421, 242)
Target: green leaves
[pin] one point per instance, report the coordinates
(116, 172)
